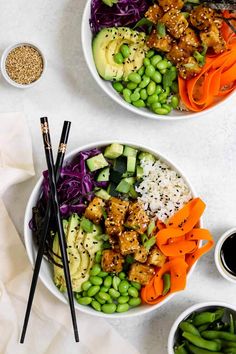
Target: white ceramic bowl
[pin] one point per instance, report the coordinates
(218, 260)
(3, 66)
(106, 86)
(204, 306)
(46, 268)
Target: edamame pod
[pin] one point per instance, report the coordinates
(219, 335)
(203, 317)
(195, 350)
(201, 343)
(188, 327)
(181, 349)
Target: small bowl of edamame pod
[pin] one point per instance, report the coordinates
(208, 327)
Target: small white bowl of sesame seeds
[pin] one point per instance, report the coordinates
(23, 65)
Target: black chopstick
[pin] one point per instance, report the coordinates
(59, 163)
(56, 210)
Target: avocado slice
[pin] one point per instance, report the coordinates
(107, 43)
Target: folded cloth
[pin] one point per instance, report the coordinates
(50, 329)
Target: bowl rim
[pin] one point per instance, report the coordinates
(187, 312)
(3, 66)
(123, 103)
(217, 257)
(28, 239)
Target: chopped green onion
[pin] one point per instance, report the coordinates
(150, 242)
(86, 225)
(151, 227)
(161, 29)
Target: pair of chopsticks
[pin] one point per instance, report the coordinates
(52, 205)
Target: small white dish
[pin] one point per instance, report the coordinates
(218, 261)
(3, 65)
(203, 306)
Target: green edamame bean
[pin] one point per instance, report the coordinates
(77, 295)
(163, 71)
(169, 64)
(119, 88)
(104, 296)
(161, 111)
(155, 60)
(132, 291)
(152, 99)
(167, 90)
(174, 101)
(95, 304)
(123, 286)
(219, 335)
(114, 293)
(141, 70)
(135, 96)
(162, 65)
(125, 51)
(95, 270)
(150, 70)
(146, 61)
(123, 299)
(115, 282)
(109, 308)
(122, 307)
(84, 293)
(101, 301)
(158, 89)
(139, 104)
(145, 81)
(107, 281)
(181, 349)
(155, 105)
(125, 294)
(98, 256)
(118, 58)
(188, 327)
(150, 53)
(143, 94)
(126, 94)
(110, 301)
(102, 274)
(86, 285)
(169, 108)
(93, 290)
(134, 77)
(131, 85)
(95, 280)
(136, 285)
(200, 342)
(135, 301)
(175, 87)
(104, 289)
(162, 97)
(85, 300)
(157, 77)
(151, 88)
(203, 317)
(203, 327)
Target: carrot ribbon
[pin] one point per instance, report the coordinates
(179, 241)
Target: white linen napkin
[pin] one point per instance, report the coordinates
(49, 329)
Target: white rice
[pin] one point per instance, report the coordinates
(163, 191)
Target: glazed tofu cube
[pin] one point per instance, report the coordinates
(141, 273)
(128, 241)
(117, 209)
(141, 254)
(162, 44)
(177, 54)
(94, 210)
(113, 228)
(189, 41)
(189, 68)
(171, 4)
(112, 261)
(156, 257)
(212, 38)
(175, 22)
(137, 219)
(202, 17)
(154, 13)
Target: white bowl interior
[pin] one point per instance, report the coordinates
(86, 36)
(3, 67)
(46, 268)
(205, 306)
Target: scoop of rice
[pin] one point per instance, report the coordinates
(163, 191)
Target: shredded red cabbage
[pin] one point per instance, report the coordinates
(76, 184)
(124, 13)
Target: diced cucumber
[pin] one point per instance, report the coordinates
(113, 151)
(120, 164)
(96, 162)
(132, 192)
(131, 163)
(101, 193)
(103, 176)
(123, 187)
(146, 156)
(112, 190)
(130, 180)
(86, 224)
(115, 176)
(139, 172)
(129, 151)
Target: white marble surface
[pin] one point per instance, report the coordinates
(205, 148)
